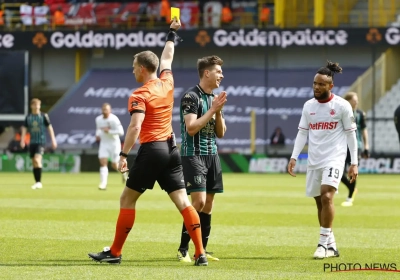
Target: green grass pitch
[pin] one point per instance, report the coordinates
(263, 227)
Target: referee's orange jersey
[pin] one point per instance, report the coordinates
(155, 99)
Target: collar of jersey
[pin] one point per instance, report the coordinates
(202, 91)
(326, 101)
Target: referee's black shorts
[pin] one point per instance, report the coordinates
(156, 161)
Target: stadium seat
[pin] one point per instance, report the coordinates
(385, 137)
(104, 12)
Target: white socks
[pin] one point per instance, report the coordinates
(103, 175)
(331, 241)
(324, 235)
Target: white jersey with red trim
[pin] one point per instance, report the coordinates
(327, 123)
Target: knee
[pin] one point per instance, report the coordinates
(199, 204)
(35, 162)
(126, 201)
(208, 206)
(326, 198)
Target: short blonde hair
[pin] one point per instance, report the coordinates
(35, 100)
(349, 96)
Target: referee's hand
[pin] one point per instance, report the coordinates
(123, 165)
(176, 24)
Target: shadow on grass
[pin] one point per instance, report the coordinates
(271, 258)
(131, 262)
(54, 263)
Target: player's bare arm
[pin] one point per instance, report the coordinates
(220, 127)
(52, 137)
(168, 53)
(98, 132)
(132, 134)
(23, 134)
(194, 124)
(366, 144)
(116, 129)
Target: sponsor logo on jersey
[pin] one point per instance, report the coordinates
(323, 125)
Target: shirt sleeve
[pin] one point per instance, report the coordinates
(348, 120)
(189, 103)
(137, 103)
(117, 128)
(166, 76)
(98, 130)
(303, 124)
(46, 119)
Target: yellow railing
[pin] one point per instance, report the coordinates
(387, 72)
(292, 13)
(363, 86)
(331, 13)
(382, 12)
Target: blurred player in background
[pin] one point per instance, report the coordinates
(397, 120)
(108, 132)
(158, 158)
(362, 144)
(36, 123)
(329, 123)
(202, 120)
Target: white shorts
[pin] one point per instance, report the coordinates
(110, 151)
(330, 176)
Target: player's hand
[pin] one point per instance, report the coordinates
(106, 129)
(123, 165)
(22, 144)
(97, 138)
(54, 145)
(219, 102)
(290, 167)
(176, 24)
(353, 173)
(366, 153)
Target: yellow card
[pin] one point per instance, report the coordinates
(175, 13)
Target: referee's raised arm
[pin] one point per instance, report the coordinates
(168, 53)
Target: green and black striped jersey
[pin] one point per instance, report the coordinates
(196, 101)
(361, 125)
(36, 126)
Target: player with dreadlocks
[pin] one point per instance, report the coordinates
(329, 123)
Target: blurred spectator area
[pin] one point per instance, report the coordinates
(77, 14)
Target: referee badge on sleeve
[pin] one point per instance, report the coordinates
(134, 104)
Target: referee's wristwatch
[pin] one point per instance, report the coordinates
(123, 154)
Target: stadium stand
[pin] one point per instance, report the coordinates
(382, 131)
